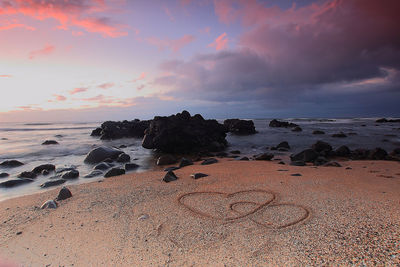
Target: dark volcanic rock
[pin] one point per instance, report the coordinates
(4, 175)
(121, 129)
(53, 183)
(320, 161)
(343, 151)
(377, 154)
(11, 163)
(182, 133)
(114, 172)
(240, 127)
(50, 142)
(103, 166)
(383, 120)
(318, 132)
(64, 194)
(209, 161)
(308, 155)
(339, 135)
(360, 154)
(276, 123)
(123, 158)
(244, 158)
(30, 175)
(166, 160)
(15, 182)
(297, 129)
(101, 153)
(45, 172)
(236, 152)
(169, 177)
(94, 173)
(264, 156)
(173, 168)
(296, 174)
(284, 145)
(131, 166)
(96, 132)
(198, 175)
(185, 162)
(321, 146)
(73, 174)
(41, 168)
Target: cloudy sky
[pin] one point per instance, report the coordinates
(92, 60)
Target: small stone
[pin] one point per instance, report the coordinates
(131, 166)
(11, 163)
(339, 135)
(4, 175)
(198, 175)
(282, 163)
(264, 156)
(169, 177)
(143, 217)
(49, 204)
(30, 175)
(53, 183)
(73, 174)
(114, 172)
(64, 194)
(318, 132)
(93, 174)
(209, 161)
(41, 168)
(123, 158)
(349, 168)
(296, 174)
(18, 233)
(50, 142)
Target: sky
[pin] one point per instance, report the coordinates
(95, 60)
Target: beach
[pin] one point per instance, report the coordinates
(245, 213)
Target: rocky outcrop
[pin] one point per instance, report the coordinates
(121, 129)
(182, 133)
(276, 123)
(240, 127)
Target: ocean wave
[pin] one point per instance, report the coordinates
(38, 124)
(42, 129)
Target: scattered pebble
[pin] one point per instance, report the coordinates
(296, 174)
(18, 233)
(143, 217)
(198, 175)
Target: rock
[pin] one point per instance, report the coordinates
(114, 172)
(166, 160)
(209, 161)
(59, 136)
(185, 162)
(339, 135)
(320, 161)
(240, 127)
(282, 163)
(182, 133)
(308, 155)
(318, 132)
(349, 168)
(15, 182)
(244, 158)
(103, 166)
(359, 154)
(30, 175)
(64, 194)
(73, 174)
(343, 151)
(45, 172)
(94, 173)
(284, 145)
(321, 146)
(41, 168)
(49, 204)
(395, 152)
(121, 129)
(377, 154)
(235, 152)
(169, 177)
(384, 120)
(4, 175)
(53, 183)
(122, 146)
(297, 129)
(276, 123)
(143, 217)
(296, 174)
(298, 163)
(198, 175)
(61, 170)
(332, 164)
(101, 153)
(131, 166)
(50, 142)
(11, 163)
(108, 160)
(264, 156)
(123, 158)
(173, 168)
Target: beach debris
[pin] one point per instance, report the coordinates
(318, 132)
(332, 164)
(49, 204)
(307, 155)
(94, 173)
(103, 166)
(244, 158)
(143, 217)
(15, 182)
(131, 166)
(296, 174)
(185, 162)
(123, 158)
(4, 175)
(114, 172)
(209, 161)
(166, 160)
(198, 175)
(339, 135)
(264, 156)
(50, 142)
(343, 151)
(41, 168)
(53, 183)
(101, 153)
(64, 194)
(297, 129)
(27, 174)
(11, 163)
(235, 152)
(276, 123)
(169, 177)
(240, 127)
(173, 168)
(73, 174)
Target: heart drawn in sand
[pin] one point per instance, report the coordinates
(257, 205)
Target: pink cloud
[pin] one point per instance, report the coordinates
(225, 10)
(140, 87)
(184, 3)
(169, 14)
(142, 76)
(173, 45)
(12, 25)
(220, 43)
(205, 30)
(5, 76)
(106, 85)
(29, 108)
(78, 90)
(78, 13)
(60, 98)
(48, 49)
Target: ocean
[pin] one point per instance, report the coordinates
(23, 142)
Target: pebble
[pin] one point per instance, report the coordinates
(143, 217)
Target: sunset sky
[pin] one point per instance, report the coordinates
(93, 60)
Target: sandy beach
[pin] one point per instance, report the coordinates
(244, 213)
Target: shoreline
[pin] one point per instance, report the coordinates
(138, 219)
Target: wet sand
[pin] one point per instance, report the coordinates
(244, 213)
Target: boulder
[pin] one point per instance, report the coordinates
(297, 129)
(321, 146)
(131, 166)
(308, 155)
(318, 132)
(41, 168)
(101, 153)
(15, 182)
(30, 175)
(45, 172)
(11, 163)
(264, 156)
(284, 145)
(343, 151)
(4, 175)
(122, 158)
(103, 166)
(73, 174)
(185, 162)
(64, 194)
(111, 130)
(50, 142)
(198, 175)
(377, 154)
(360, 154)
(96, 132)
(49, 204)
(320, 161)
(166, 160)
(276, 123)
(94, 173)
(209, 161)
(169, 177)
(240, 127)
(182, 133)
(114, 172)
(53, 183)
